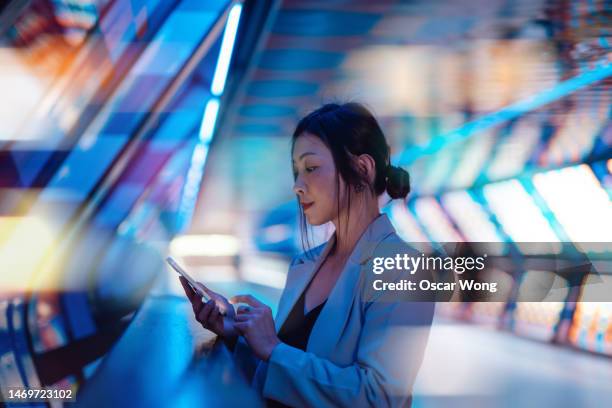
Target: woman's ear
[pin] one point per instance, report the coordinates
(367, 166)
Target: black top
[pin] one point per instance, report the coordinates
(296, 331)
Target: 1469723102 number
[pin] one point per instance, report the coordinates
(38, 395)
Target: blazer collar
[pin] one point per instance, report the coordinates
(303, 269)
(378, 230)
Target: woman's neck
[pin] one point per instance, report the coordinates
(349, 231)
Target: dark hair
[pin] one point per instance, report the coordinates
(349, 130)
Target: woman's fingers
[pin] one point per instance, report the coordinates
(241, 326)
(204, 313)
(243, 309)
(215, 314)
(248, 299)
(197, 304)
(243, 317)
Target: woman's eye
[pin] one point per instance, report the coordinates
(310, 169)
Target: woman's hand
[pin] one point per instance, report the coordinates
(256, 324)
(209, 313)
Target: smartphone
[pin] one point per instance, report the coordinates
(172, 262)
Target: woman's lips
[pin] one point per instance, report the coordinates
(306, 206)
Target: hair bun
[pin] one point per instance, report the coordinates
(398, 182)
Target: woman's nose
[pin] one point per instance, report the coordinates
(298, 186)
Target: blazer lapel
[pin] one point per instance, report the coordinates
(300, 274)
(333, 316)
(332, 319)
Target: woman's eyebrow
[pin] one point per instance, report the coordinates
(304, 154)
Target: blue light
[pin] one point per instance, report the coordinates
(208, 120)
(509, 112)
(227, 45)
(192, 184)
(191, 188)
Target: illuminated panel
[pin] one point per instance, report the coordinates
(470, 217)
(474, 158)
(431, 215)
(111, 130)
(407, 227)
(85, 85)
(514, 151)
(123, 29)
(520, 217)
(179, 125)
(145, 167)
(578, 201)
(163, 196)
(575, 139)
(141, 88)
(205, 134)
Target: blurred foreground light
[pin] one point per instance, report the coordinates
(21, 91)
(204, 245)
(23, 243)
(276, 233)
(266, 271)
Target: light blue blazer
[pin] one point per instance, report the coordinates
(362, 351)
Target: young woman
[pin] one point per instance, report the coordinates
(332, 342)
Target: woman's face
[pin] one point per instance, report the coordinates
(315, 179)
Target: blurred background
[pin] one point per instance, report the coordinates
(132, 129)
